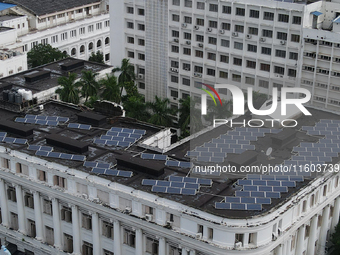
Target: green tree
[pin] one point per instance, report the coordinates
(190, 120)
(111, 90)
(136, 108)
(42, 54)
(335, 240)
(88, 83)
(69, 91)
(127, 73)
(97, 57)
(161, 113)
(218, 111)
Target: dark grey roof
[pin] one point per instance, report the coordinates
(42, 7)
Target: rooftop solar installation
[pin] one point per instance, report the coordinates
(47, 118)
(39, 148)
(239, 206)
(171, 190)
(96, 164)
(153, 156)
(7, 139)
(51, 154)
(187, 185)
(205, 182)
(128, 130)
(79, 126)
(38, 121)
(181, 164)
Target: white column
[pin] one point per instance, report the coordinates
(279, 250)
(56, 223)
(161, 246)
(76, 230)
(323, 231)
(184, 251)
(245, 240)
(192, 252)
(336, 214)
(117, 243)
(38, 216)
(300, 240)
(96, 234)
(21, 210)
(4, 205)
(312, 235)
(139, 242)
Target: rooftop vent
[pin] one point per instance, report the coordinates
(37, 75)
(91, 118)
(72, 65)
(15, 128)
(283, 138)
(244, 159)
(67, 143)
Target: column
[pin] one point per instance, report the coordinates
(38, 216)
(117, 243)
(76, 230)
(21, 209)
(192, 252)
(4, 205)
(139, 242)
(300, 240)
(245, 240)
(336, 214)
(185, 251)
(323, 231)
(279, 250)
(312, 235)
(96, 234)
(161, 246)
(56, 223)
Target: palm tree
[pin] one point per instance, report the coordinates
(218, 111)
(69, 91)
(161, 113)
(127, 73)
(89, 85)
(111, 90)
(190, 120)
(136, 108)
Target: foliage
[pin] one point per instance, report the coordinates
(97, 57)
(190, 120)
(161, 113)
(42, 54)
(91, 101)
(69, 91)
(335, 240)
(135, 107)
(127, 73)
(88, 83)
(218, 111)
(111, 90)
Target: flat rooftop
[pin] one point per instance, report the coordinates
(129, 159)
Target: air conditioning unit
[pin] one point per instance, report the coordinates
(84, 196)
(282, 42)
(172, 69)
(169, 223)
(248, 36)
(235, 34)
(196, 27)
(209, 29)
(184, 25)
(188, 42)
(262, 39)
(186, 69)
(221, 31)
(140, 76)
(238, 245)
(200, 45)
(197, 75)
(199, 235)
(176, 40)
(127, 210)
(148, 217)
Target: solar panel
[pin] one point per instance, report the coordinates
(163, 183)
(124, 144)
(188, 191)
(147, 156)
(173, 190)
(263, 200)
(79, 157)
(254, 207)
(232, 199)
(54, 154)
(34, 147)
(191, 186)
(98, 170)
(99, 141)
(257, 194)
(158, 189)
(20, 141)
(244, 182)
(125, 173)
(280, 189)
(111, 172)
(73, 125)
(52, 123)
(172, 163)
(179, 184)
(63, 119)
(20, 120)
(176, 178)
(185, 164)
(85, 127)
(192, 154)
(139, 131)
(237, 206)
(29, 116)
(41, 122)
(273, 194)
(41, 153)
(248, 200)
(66, 156)
(116, 129)
(3, 134)
(9, 140)
(242, 193)
(222, 205)
(96, 164)
(111, 143)
(149, 182)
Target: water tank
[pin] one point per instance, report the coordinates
(5, 95)
(18, 98)
(11, 96)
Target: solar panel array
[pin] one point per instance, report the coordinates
(153, 156)
(94, 164)
(122, 137)
(79, 126)
(6, 139)
(111, 172)
(42, 120)
(181, 164)
(51, 154)
(39, 148)
(234, 141)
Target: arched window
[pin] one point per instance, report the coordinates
(90, 46)
(82, 49)
(107, 41)
(99, 43)
(65, 52)
(73, 52)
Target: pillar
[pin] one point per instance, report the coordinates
(300, 240)
(56, 223)
(323, 231)
(38, 216)
(185, 251)
(161, 246)
(117, 243)
(312, 235)
(279, 249)
(139, 242)
(336, 214)
(21, 209)
(4, 205)
(96, 234)
(76, 230)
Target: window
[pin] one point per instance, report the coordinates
(251, 64)
(82, 30)
(281, 36)
(41, 175)
(210, 72)
(174, 79)
(223, 75)
(265, 67)
(226, 9)
(175, 17)
(186, 67)
(141, 56)
(29, 200)
(237, 61)
(175, 33)
(63, 36)
(141, 42)
(68, 243)
(47, 207)
(292, 72)
(174, 64)
(186, 51)
(283, 18)
(295, 38)
(200, 5)
(11, 194)
(176, 2)
(141, 27)
(188, 3)
(199, 38)
(240, 11)
(73, 33)
(278, 86)
(212, 24)
(236, 77)
(186, 82)
(129, 237)
(225, 26)
(268, 16)
(224, 58)
(293, 55)
(280, 53)
(99, 26)
(59, 181)
(211, 56)
(297, 20)
(107, 229)
(212, 40)
(86, 221)
(151, 246)
(31, 228)
(141, 85)
(49, 235)
(198, 69)
(213, 7)
(238, 45)
(254, 14)
(199, 53)
(187, 36)
(253, 30)
(107, 23)
(129, 25)
(187, 19)
(267, 33)
(90, 28)
(87, 248)
(264, 84)
(199, 22)
(107, 41)
(44, 41)
(225, 43)
(252, 48)
(129, 10)
(141, 12)
(174, 49)
(266, 51)
(131, 54)
(174, 93)
(239, 28)
(108, 252)
(250, 80)
(279, 70)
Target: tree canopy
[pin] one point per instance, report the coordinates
(69, 91)
(88, 83)
(97, 57)
(43, 54)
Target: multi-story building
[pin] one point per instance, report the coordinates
(176, 45)
(75, 27)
